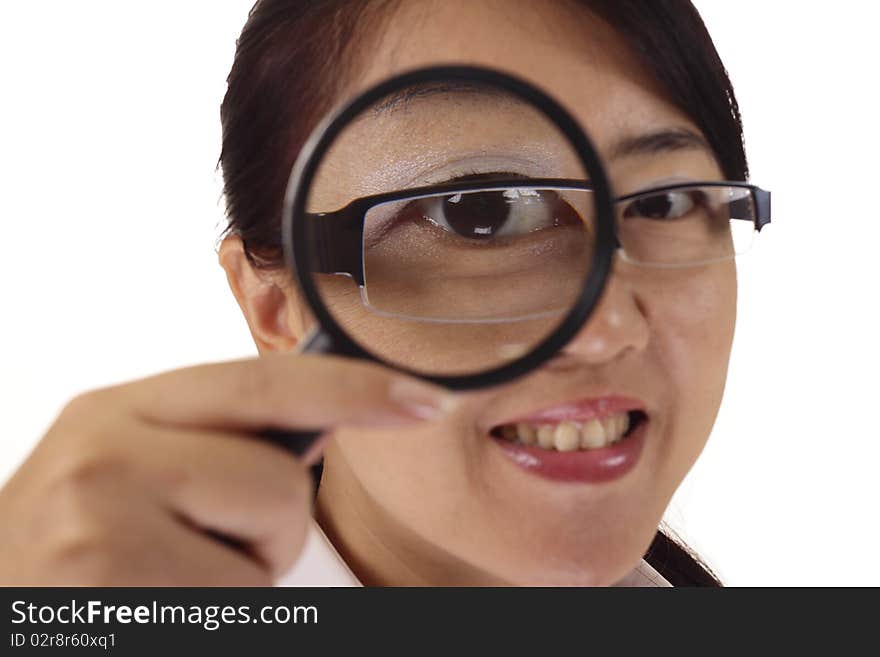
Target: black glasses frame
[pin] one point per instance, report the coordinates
(337, 237)
(760, 197)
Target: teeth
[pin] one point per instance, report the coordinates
(527, 434)
(568, 436)
(609, 425)
(509, 432)
(546, 432)
(624, 424)
(593, 434)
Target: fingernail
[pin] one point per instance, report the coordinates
(421, 401)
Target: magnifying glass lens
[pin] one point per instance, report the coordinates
(451, 228)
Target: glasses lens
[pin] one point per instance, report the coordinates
(499, 253)
(432, 249)
(686, 225)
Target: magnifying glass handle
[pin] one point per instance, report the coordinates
(299, 442)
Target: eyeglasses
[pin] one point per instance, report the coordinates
(478, 251)
(685, 225)
(517, 249)
(678, 225)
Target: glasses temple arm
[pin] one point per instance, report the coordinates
(336, 239)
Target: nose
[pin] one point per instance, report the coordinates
(619, 324)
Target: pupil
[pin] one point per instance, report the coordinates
(476, 216)
(655, 206)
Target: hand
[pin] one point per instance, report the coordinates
(163, 481)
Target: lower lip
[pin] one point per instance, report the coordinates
(584, 465)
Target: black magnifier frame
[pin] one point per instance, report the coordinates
(295, 220)
(331, 338)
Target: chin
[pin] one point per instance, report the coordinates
(592, 575)
(584, 563)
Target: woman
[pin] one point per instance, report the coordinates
(161, 481)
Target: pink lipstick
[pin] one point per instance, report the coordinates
(590, 440)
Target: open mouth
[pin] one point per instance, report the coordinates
(569, 436)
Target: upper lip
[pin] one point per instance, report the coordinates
(582, 409)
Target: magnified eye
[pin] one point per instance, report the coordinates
(480, 215)
(664, 205)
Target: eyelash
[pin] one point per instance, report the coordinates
(467, 174)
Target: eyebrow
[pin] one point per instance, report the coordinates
(403, 97)
(658, 142)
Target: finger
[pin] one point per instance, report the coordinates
(198, 559)
(297, 391)
(234, 485)
(123, 536)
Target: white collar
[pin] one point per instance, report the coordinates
(320, 565)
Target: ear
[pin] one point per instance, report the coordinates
(271, 304)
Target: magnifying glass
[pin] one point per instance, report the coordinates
(454, 223)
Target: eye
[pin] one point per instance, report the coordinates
(664, 205)
(481, 215)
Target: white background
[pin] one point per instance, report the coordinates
(110, 208)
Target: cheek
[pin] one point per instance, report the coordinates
(419, 475)
(693, 315)
(437, 348)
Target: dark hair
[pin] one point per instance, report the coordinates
(294, 56)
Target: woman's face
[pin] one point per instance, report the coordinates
(444, 502)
